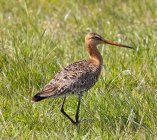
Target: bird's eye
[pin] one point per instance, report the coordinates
(97, 37)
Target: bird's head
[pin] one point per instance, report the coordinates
(94, 39)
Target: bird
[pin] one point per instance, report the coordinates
(78, 77)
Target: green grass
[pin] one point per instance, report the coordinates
(38, 38)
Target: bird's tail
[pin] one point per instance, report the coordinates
(46, 92)
(38, 97)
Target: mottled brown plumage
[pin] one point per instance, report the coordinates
(78, 77)
(73, 79)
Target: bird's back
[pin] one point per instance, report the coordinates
(73, 79)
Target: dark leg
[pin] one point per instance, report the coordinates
(77, 112)
(62, 110)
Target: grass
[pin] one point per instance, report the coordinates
(38, 38)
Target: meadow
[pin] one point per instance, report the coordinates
(39, 38)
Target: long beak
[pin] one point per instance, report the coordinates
(116, 44)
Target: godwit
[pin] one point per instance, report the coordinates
(78, 77)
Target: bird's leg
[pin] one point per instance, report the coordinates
(77, 111)
(64, 113)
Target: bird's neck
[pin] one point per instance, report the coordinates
(95, 56)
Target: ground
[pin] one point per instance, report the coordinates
(38, 38)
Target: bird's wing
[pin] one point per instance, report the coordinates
(77, 77)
